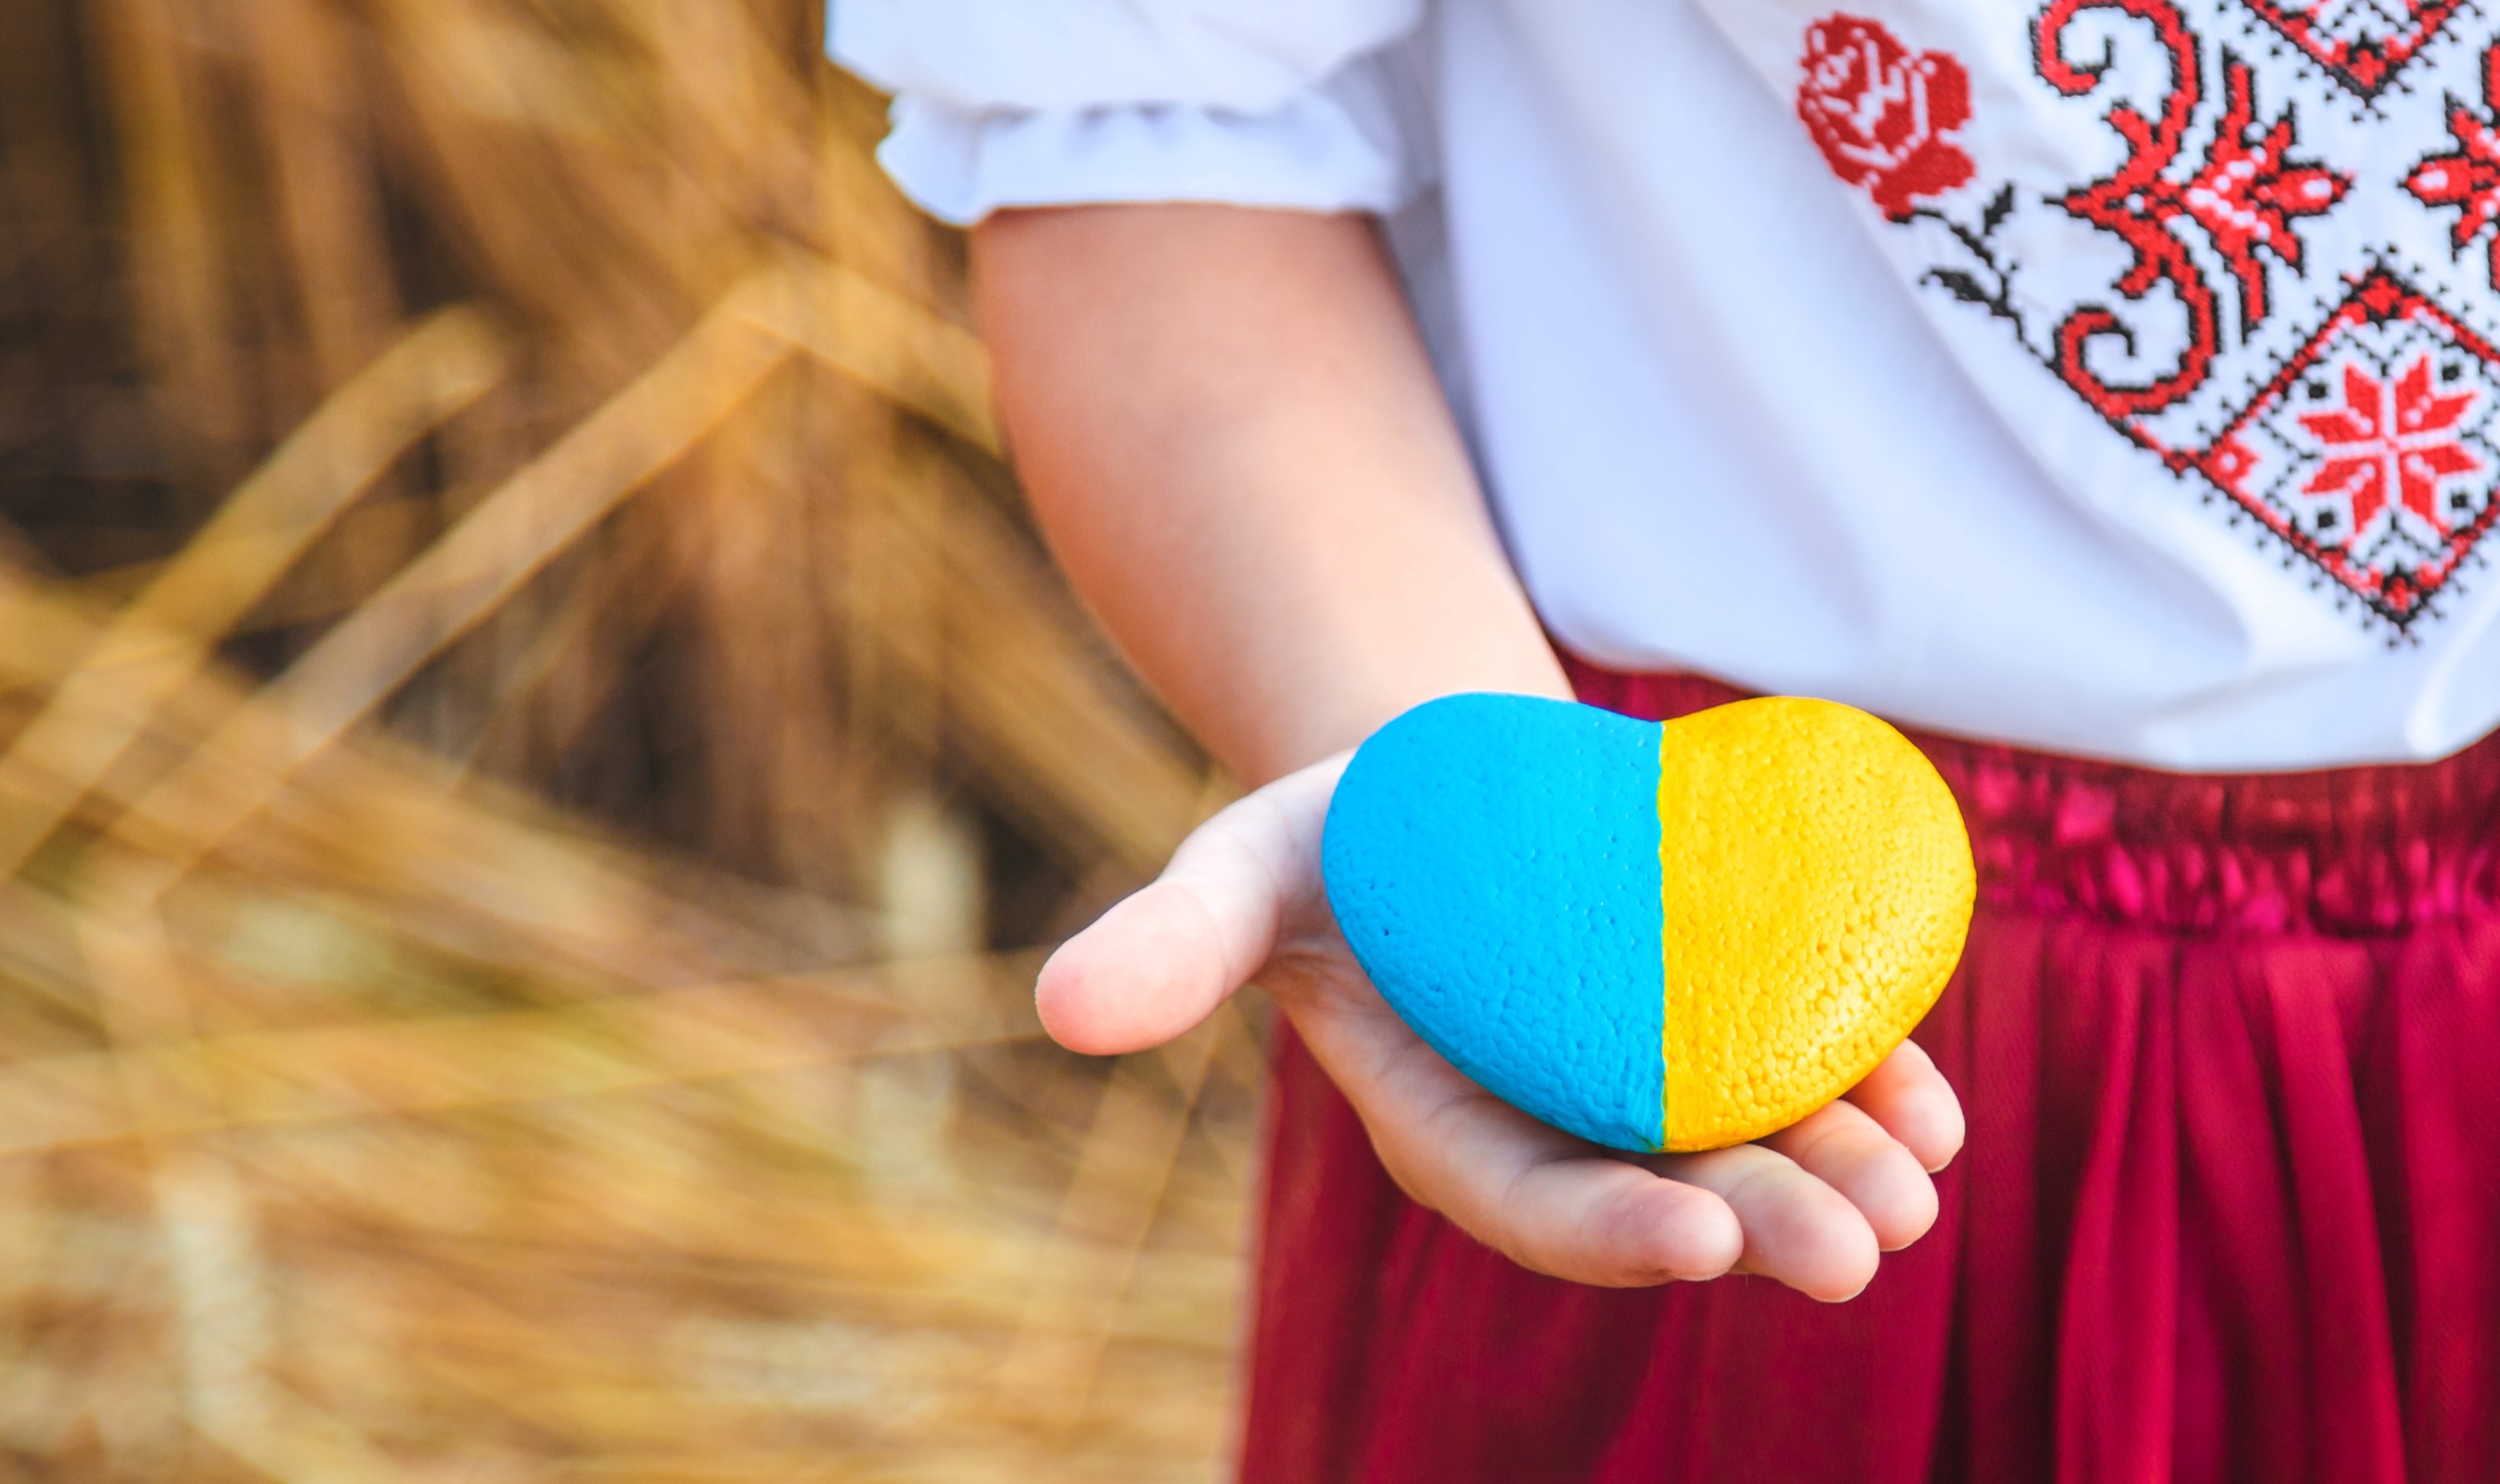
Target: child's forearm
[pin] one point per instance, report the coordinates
(1233, 441)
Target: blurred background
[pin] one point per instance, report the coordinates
(539, 757)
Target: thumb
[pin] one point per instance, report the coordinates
(1161, 960)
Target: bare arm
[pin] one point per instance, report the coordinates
(1234, 441)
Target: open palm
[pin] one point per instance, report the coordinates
(1812, 1206)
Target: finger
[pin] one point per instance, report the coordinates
(1161, 960)
(1798, 1229)
(1611, 1223)
(1915, 1104)
(1547, 1201)
(1841, 1147)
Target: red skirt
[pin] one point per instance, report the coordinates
(2230, 1207)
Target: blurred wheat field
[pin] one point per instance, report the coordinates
(538, 756)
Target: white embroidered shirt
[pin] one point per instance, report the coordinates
(2121, 377)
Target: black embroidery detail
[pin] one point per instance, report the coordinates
(2369, 449)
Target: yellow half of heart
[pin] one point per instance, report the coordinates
(1817, 886)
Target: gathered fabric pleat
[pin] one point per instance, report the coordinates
(2228, 1209)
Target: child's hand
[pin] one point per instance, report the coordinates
(1810, 1206)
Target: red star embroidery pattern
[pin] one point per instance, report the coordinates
(2392, 444)
(2263, 318)
(2239, 267)
(2372, 451)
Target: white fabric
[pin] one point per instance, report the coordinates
(1764, 388)
(1240, 56)
(1334, 147)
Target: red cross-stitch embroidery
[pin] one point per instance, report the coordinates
(2247, 192)
(2244, 194)
(2253, 333)
(2370, 452)
(2469, 178)
(2392, 442)
(1881, 115)
(2364, 43)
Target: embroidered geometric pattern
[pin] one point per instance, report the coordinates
(2371, 450)
(2365, 42)
(2271, 262)
(2468, 177)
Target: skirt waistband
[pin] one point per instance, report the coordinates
(2347, 852)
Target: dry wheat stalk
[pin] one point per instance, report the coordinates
(517, 655)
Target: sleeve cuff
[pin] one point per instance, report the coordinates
(1340, 147)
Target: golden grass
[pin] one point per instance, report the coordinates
(535, 766)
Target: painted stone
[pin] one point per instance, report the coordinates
(1675, 936)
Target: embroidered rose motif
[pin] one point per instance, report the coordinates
(1881, 113)
(2219, 210)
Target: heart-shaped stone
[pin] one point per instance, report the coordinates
(1674, 936)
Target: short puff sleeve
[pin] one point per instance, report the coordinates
(1315, 104)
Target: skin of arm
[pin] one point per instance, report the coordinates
(1233, 439)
